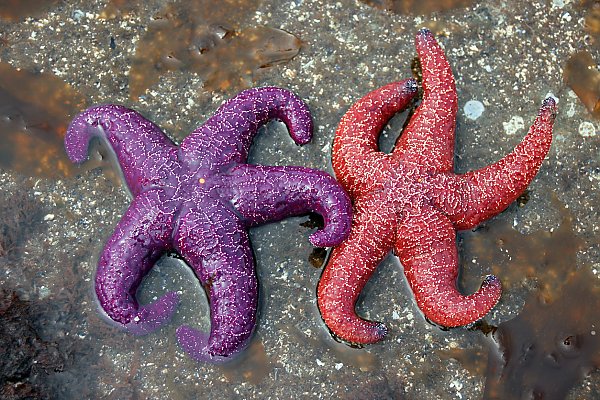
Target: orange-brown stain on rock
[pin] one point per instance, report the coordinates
(252, 366)
(196, 37)
(418, 7)
(35, 111)
(582, 76)
(592, 18)
(551, 345)
(119, 8)
(554, 342)
(545, 257)
(16, 10)
(473, 360)
(581, 73)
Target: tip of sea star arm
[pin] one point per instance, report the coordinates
(79, 134)
(480, 194)
(227, 135)
(438, 79)
(353, 338)
(270, 193)
(108, 120)
(299, 120)
(330, 235)
(291, 109)
(425, 37)
(549, 106)
(428, 138)
(336, 209)
(341, 319)
(152, 316)
(349, 268)
(342, 280)
(355, 147)
(196, 344)
(425, 32)
(426, 246)
(451, 309)
(345, 326)
(411, 86)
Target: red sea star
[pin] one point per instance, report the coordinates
(412, 201)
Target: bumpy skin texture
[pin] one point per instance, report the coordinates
(198, 199)
(411, 201)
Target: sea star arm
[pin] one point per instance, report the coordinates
(265, 193)
(426, 246)
(215, 244)
(428, 139)
(146, 155)
(473, 197)
(226, 137)
(356, 155)
(139, 240)
(350, 266)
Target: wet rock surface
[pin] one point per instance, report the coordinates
(26, 355)
(507, 56)
(550, 346)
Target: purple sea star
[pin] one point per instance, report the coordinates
(198, 199)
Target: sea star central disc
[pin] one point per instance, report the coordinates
(411, 201)
(198, 199)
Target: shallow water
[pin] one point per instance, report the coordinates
(55, 218)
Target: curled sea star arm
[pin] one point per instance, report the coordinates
(350, 266)
(478, 195)
(428, 139)
(144, 152)
(266, 193)
(226, 137)
(356, 152)
(215, 244)
(139, 240)
(426, 246)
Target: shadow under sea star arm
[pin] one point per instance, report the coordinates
(478, 195)
(140, 239)
(215, 244)
(140, 146)
(348, 269)
(226, 137)
(266, 193)
(356, 153)
(426, 246)
(428, 139)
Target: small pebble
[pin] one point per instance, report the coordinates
(513, 126)
(587, 129)
(77, 15)
(473, 109)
